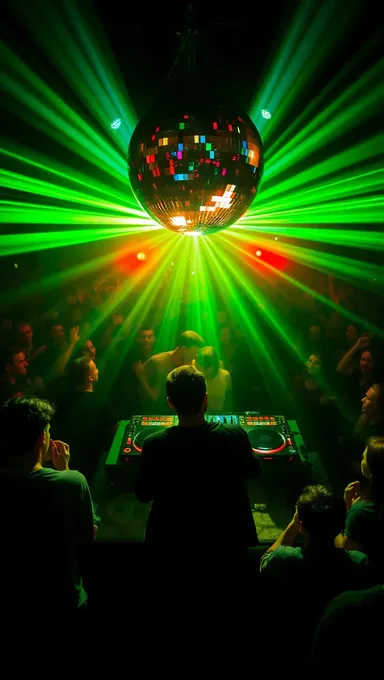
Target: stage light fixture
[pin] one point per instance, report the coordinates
(116, 124)
(258, 253)
(141, 256)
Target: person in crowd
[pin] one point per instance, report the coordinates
(153, 373)
(53, 358)
(316, 407)
(13, 374)
(364, 525)
(371, 421)
(305, 578)
(25, 339)
(354, 620)
(194, 474)
(88, 349)
(47, 516)
(82, 418)
(219, 385)
(358, 368)
(127, 385)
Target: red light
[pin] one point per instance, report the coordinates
(215, 126)
(141, 256)
(186, 117)
(230, 127)
(153, 137)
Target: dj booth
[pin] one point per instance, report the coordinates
(276, 441)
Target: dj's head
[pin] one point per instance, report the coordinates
(187, 391)
(321, 514)
(188, 346)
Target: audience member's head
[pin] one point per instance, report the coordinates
(13, 364)
(56, 334)
(82, 374)
(188, 346)
(321, 514)
(88, 349)
(25, 334)
(372, 467)
(366, 363)
(24, 430)
(187, 391)
(146, 338)
(208, 362)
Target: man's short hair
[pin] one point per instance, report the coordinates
(189, 339)
(7, 355)
(321, 513)
(22, 421)
(186, 389)
(77, 372)
(146, 326)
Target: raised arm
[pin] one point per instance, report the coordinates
(345, 362)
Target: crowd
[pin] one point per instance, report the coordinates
(66, 379)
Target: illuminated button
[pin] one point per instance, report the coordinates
(127, 450)
(129, 440)
(145, 418)
(255, 418)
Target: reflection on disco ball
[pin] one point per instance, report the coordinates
(195, 169)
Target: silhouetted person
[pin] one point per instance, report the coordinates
(47, 515)
(82, 418)
(194, 474)
(300, 581)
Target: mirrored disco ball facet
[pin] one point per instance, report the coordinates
(195, 168)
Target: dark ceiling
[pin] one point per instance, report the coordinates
(235, 41)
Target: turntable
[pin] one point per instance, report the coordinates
(270, 436)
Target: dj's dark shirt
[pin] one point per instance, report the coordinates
(195, 477)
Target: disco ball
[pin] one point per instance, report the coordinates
(195, 169)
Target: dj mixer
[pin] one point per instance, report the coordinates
(270, 436)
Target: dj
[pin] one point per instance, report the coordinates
(194, 474)
(153, 373)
